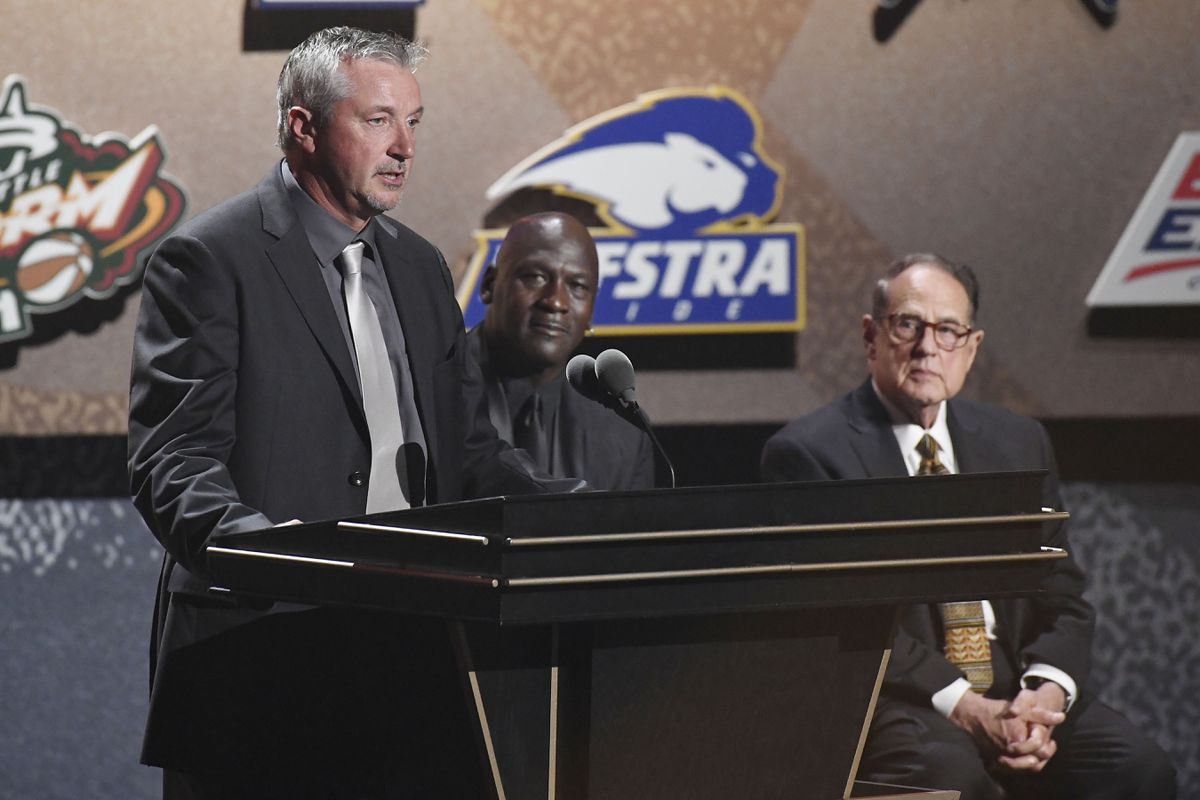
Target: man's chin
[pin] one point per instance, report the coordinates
(916, 403)
(381, 203)
(539, 359)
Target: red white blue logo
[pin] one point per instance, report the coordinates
(1157, 260)
(687, 195)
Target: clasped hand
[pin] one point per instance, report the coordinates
(1016, 734)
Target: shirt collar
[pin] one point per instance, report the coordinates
(908, 434)
(519, 390)
(327, 236)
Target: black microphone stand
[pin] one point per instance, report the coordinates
(663, 465)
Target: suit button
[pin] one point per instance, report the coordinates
(357, 479)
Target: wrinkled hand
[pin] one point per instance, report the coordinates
(988, 721)
(1015, 735)
(1029, 724)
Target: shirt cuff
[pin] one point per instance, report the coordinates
(1049, 673)
(946, 699)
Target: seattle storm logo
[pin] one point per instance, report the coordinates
(75, 212)
(686, 194)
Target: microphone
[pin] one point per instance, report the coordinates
(609, 379)
(581, 374)
(615, 372)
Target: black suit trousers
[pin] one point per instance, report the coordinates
(1101, 756)
(372, 705)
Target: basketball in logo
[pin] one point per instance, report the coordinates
(54, 267)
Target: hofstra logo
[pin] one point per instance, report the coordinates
(75, 211)
(1157, 260)
(686, 193)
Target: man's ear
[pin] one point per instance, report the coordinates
(870, 330)
(976, 339)
(487, 284)
(302, 127)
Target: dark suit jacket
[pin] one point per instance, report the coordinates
(852, 438)
(245, 412)
(593, 443)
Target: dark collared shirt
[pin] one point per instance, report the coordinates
(506, 402)
(517, 391)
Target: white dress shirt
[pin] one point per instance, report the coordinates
(907, 435)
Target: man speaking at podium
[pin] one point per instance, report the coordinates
(299, 356)
(982, 697)
(539, 296)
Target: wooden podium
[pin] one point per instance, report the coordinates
(690, 643)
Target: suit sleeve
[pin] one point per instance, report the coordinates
(1054, 628)
(1063, 621)
(182, 402)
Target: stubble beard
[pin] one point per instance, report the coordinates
(381, 204)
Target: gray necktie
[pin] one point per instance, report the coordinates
(380, 402)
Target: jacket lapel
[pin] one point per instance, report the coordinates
(297, 267)
(872, 439)
(970, 451)
(497, 404)
(413, 296)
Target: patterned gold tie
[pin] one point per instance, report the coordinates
(930, 463)
(967, 645)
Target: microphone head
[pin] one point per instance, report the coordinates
(581, 374)
(615, 372)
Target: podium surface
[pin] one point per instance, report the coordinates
(707, 642)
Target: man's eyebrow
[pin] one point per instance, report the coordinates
(390, 109)
(956, 319)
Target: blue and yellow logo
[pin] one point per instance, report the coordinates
(687, 195)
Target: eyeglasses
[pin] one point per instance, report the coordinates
(906, 328)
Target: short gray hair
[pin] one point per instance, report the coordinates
(960, 272)
(312, 78)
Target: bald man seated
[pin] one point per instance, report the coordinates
(539, 295)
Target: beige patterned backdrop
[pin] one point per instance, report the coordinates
(1013, 134)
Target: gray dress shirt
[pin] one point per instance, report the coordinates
(328, 237)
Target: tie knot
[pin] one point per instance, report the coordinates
(350, 259)
(927, 447)
(930, 463)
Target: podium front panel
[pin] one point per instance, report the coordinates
(613, 555)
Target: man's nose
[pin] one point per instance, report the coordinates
(404, 146)
(926, 343)
(554, 296)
